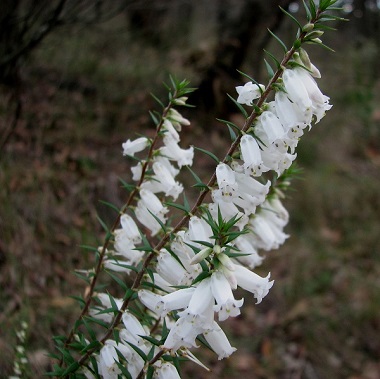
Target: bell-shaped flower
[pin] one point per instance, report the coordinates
(130, 228)
(246, 246)
(253, 186)
(165, 370)
(277, 161)
(135, 146)
(288, 112)
(251, 155)
(249, 92)
(163, 181)
(194, 320)
(171, 150)
(199, 230)
(225, 177)
(136, 172)
(171, 270)
(183, 334)
(176, 300)
(268, 235)
(170, 129)
(166, 163)
(108, 367)
(150, 300)
(133, 331)
(218, 341)
(296, 89)
(269, 128)
(150, 204)
(253, 283)
(177, 119)
(226, 305)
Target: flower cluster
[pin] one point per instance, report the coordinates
(185, 275)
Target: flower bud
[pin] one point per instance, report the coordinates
(308, 27)
(314, 34)
(203, 254)
(226, 261)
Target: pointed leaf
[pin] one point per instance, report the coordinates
(278, 40)
(241, 108)
(211, 155)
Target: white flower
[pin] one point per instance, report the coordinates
(177, 119)
(130, 228)
(171, 150)
(183, 333)
(250, 151)
(163, 181)
(225, 177)
(199, 230)
(136, 172)
(227, 305)
(245, 245)
(166, 371)
(288, 113)
(150, 204)
(249, 92)
(168, 126)
(296, 89)
(150, 300)
(171, 270)
(218, 341)
(269, 128)
(178, 299)
(268, 234)
(252, 282)
(132, 147)
(133, 328)
(108, 358)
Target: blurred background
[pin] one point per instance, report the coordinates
(75, 82)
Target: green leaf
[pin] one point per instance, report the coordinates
(72, 368)
(292, 17)
(198, 180)
(269, 69)
(118, 280)
(241, 108)
(152, 340)
(163, 226)
(83, 277)
(97, 321)
(312, 8)
(138, 350)
(158, 100)
(103, 224)
(110, 205)
(308, 13)
(211, 155)
(278, 64)
(178, 206)
(250, 78)
(186, 203)
(121, 366)
(203, 275)
(278, 40)
(87, 247)
(154, 118)
(150, 372)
